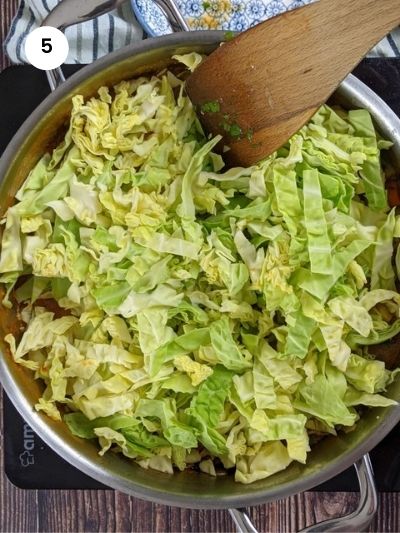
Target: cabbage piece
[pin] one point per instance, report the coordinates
(11, 247)
(270, 458)
(134, 303)
(196, 371)
(181, 345)
(41, 332)
(319, 284)
(319, 247)
(339, 352)
(109, 437)
(37, 178)
(321, 400)
(252, 258)
(264, 390)
(235, 277)
(376, 336)
(208, 403)
(191, 61)
(83, 427)
(298, 447)
(353, 313)
(244, 386)
(186, 209)
(287, 197)
(207, 406)
(280, 369)
(162, 243)
(179, 382)
(177, 433)
(56, 188)
(355, 397)
(226, 350)
(367, 375)
(299, 335)
(281, 427)
(382, 275)
(371, 171)
(105, 404)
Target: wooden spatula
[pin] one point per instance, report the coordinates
(261, 87)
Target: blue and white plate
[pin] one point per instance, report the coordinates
(233, 15)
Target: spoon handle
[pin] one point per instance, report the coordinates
(359, 24)
(273, 77)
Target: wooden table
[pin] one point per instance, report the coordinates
(107, 510)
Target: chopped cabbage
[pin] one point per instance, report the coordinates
(203, 316)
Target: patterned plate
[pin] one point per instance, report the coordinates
(234, 15)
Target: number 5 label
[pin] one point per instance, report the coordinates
(46, 45)
(46, 48)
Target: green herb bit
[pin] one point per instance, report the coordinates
(229, 35)
(206, 5)
(210, 107)
(235, 131)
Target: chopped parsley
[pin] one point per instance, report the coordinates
(229, 35)
(210, 107)
(235, 131)
(229, 123)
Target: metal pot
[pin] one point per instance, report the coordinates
(186, 489)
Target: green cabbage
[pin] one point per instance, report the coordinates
(201, 315)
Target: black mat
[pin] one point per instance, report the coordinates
(29, 463)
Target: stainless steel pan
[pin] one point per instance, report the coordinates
(186, 489)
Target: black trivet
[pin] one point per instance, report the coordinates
(29, 463)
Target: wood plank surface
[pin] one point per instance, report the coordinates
(68, 511)
(8, 8)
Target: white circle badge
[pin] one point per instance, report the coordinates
(46, 48)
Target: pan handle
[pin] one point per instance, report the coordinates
(173, 15)
(357, 521)
(242, 521)
(70, 12)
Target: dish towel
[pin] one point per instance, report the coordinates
(91, 40)
(87, 41)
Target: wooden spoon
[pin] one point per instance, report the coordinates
(260, 88)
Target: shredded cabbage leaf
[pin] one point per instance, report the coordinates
(202, 316)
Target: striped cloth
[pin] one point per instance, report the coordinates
(93, 39)
(87, 41)
(388, 47)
